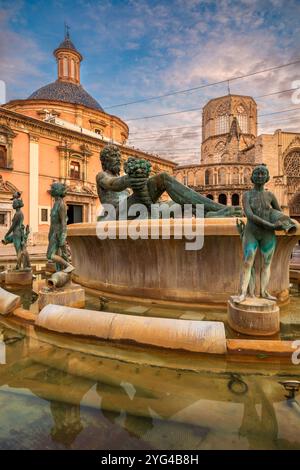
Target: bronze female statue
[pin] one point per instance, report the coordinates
(264, 216)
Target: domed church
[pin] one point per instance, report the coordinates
(56, 134)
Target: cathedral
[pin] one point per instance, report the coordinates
(230, 150)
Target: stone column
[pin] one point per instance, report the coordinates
(33, 183)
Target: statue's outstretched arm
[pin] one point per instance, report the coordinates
(253, 217)
(113, 183)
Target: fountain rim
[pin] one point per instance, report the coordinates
(212, 226)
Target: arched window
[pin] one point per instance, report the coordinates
(198, 178)
(3, 156)
(179, 177)
(222, 176)
(72, 68)
(208, 177)
(222, 124)
(190, 178)
(210, 196)
(75, 170)
(65, 67)
(235, 199)
(242, 119)
(222, 199)
(235, 176)
(247, 176)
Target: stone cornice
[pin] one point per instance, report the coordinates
(224, 136)
(219, 165)
(35, 126)
(52, 103)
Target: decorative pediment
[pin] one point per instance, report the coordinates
(6, 186)
(98, 122)
(7, 131)
(84, 148)
(81, 190)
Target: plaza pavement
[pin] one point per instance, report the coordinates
(36, 252)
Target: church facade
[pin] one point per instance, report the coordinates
(56, 135)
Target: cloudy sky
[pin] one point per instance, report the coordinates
(139, 49)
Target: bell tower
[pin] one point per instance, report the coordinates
(68, 60)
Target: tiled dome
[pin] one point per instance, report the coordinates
(67, 92)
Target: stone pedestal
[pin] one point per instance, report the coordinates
(254, 316)
(18, 277)
(70, 295)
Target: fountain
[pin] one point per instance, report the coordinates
(171, 261)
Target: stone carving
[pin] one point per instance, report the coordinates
(222, 109)
(6, 186)
(220, 146)
(264, 216)
(57, 249)
(112, 188)
(18, 234)
(292, 164)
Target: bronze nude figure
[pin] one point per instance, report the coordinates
(264, 217)
(113, 188)
(18, 234)
(57, 248)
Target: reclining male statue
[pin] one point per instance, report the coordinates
(113, 188)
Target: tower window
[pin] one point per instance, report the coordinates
(242, 118)
(222, 176)
(72, 68)
(243, 122)
(222, 124)
(65, 67)
(208, 177)
(75, 170)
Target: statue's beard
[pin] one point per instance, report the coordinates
(114, 169)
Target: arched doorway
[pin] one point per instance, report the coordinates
(222, 199)
(235, 199)
(210, 196)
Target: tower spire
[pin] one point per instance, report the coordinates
(68, 59)
(67, 31)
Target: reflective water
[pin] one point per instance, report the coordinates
(59, 392)
(62, 392)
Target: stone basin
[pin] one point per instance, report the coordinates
(162, 270)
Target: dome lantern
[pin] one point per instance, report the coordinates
(68, 60)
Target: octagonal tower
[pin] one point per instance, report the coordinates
(229, 128)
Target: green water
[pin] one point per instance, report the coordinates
(60, 392)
